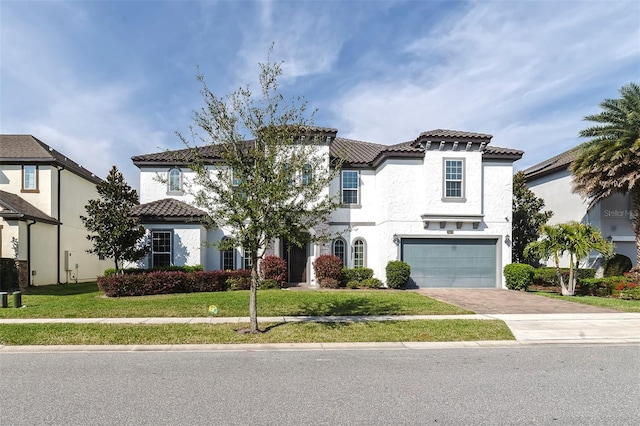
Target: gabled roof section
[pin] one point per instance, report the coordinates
(168, 210)
(559, 162)
(13, 207)
(27, 149)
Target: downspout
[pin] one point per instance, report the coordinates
(59, 223)
(29, 252)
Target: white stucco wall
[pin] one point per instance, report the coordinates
(393, 197)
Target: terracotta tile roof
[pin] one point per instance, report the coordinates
(24, 149)
(449, 134)
(558, 162)
(352, 152)
(168, 209)
(495, 152)
(14, 207)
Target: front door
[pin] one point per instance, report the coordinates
(296, 258)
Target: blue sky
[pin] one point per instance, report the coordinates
(103, 81)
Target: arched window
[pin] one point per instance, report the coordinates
(228, 259)
(175, 180)
(307, 174)
(359, 253)
(339, 250)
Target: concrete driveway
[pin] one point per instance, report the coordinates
(498, 301)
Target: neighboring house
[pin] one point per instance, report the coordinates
(42, 195)
(441, 202)
(552, 181)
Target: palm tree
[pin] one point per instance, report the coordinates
(573, 238)
(609, 162)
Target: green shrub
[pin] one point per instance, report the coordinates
(370, 283)
(546, 276)
(518, 276)
(328, 268)
(617, 265)
(632, 293)
(398, 273)
(353, 284)
(605, 286)
(356, 274)
(274, 268)
(268, 285)
(8, 274)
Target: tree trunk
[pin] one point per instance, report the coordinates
(635, 223)
(253, 297)
(572, 278)
(563, 288)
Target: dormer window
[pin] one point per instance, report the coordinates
(175, 181)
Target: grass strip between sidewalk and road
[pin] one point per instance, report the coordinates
(86, 301)
(602, 302)
(305, 332)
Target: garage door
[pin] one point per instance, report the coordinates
(463, 263)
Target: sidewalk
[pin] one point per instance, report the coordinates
(584, 328)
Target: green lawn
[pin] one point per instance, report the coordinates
(85, 301)
(603, 302)
(387, 331)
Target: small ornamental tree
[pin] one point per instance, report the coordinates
(574, 239)
(272, 171)
(115, 234)
(528, 217)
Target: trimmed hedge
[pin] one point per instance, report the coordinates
(8, 274)
(518, 276)
(185, 268)
(546, 276)
(167, 282)
(605, 286)
(398, 273)
(328, 268)
(355, 274)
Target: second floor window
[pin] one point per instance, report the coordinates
(30, 178)
(453, 179)
(175, 180)
(350, 186)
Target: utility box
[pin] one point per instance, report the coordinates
(68, 260)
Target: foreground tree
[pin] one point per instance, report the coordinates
(576, 240)
(528, 217)
(114, 233)
(610, 161)
(273, 177)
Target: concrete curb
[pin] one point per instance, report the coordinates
(310, 346)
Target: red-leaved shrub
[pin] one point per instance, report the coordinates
(328, 269)
(274, 268)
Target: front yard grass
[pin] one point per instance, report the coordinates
(307, 332)
(86, 301)
(603, 302)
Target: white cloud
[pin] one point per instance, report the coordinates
(509, 71)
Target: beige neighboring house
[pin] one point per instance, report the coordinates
(42, 195)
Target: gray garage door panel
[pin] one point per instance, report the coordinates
(463, 263)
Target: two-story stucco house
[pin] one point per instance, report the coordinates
(441, 202)
(552, 181)
(42, 195)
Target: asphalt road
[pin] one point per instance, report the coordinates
(536, 385)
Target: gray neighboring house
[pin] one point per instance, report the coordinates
(552, 181)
